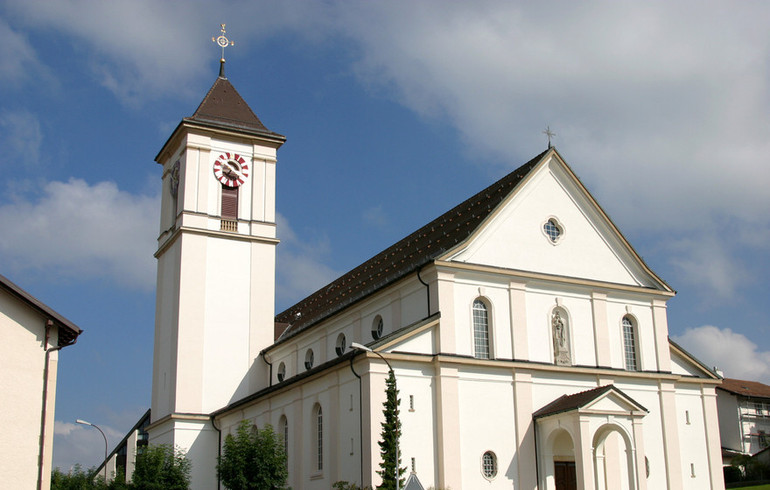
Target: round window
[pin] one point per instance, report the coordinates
(377, 327)
(281, 372)
(309, 359)
(341, 344)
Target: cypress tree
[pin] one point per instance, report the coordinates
(391, 433)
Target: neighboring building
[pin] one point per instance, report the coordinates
(122, 459)
(744, 416)
(32, 335)
(528, 338)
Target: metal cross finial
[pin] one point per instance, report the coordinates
(222, 41)
(550, 135)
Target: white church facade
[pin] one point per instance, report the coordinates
(529, 340)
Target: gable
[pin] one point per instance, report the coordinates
(590, 246)
(612, 402)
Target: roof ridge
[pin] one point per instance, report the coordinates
(406, 255)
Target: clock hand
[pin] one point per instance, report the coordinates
(234, 170)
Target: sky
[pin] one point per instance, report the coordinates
(394, 112)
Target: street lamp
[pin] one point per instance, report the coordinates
(363, 348)
(83, 422)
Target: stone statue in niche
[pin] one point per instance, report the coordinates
(560, 342)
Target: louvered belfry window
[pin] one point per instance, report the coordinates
(229, 203)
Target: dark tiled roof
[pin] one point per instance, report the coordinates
(405, 257)
(565, 403)
(753, 389)
(68, 331)
(224, 106)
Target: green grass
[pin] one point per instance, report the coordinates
(757, 487)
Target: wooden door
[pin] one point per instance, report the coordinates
(566, 475)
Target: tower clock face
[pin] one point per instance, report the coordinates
(231, 169)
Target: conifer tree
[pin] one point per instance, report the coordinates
(391, 433)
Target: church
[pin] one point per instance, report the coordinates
(528, 338)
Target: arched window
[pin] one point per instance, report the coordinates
(319, 443)
(377, 327)
(629, 344)
(281, 371)
(489, 465)
(480, 330)
(309, 359)
(283, 434)
(341, 344)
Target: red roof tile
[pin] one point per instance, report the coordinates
(753, 389)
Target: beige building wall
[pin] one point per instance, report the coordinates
(29, 357)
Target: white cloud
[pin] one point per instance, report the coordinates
(631, 90)
(735, 354)
(706, 263)
(300, 269)
(144, 49)
(20, 137)
(81, 230)
(17, 58)
(80, 444)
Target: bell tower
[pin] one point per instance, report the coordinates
(216, 271)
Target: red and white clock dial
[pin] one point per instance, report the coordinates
(231, 169)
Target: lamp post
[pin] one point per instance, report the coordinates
(363, 348)
(83, 422)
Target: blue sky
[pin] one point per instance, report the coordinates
(394, 112)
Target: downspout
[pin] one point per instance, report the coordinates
(537, 459)
(427, 288)
(48, 327)
(219, 446)
(360, 420)
(264, 358)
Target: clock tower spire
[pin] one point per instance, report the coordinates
(216, 270)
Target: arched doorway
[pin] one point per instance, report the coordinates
(613, 459)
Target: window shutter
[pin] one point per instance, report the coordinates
(229, 202)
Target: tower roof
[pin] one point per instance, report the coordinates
(224, 106)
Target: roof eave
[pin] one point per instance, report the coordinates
(269, 138)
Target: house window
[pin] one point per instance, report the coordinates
(377, 327)
(629, 344)
(489, 465)
(480, 330)
(309, 359)
(281, 372)
(341, 344)
(319, 445)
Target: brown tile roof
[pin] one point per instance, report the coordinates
(752, 389)
(224, 106)
(68, 331)
(565, 403)
(405, 257)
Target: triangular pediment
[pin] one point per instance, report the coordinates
(588, 246)
(602, 400)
